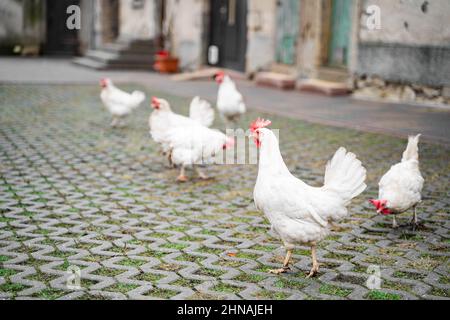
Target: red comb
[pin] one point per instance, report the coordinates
(259, 123)
(154, 100)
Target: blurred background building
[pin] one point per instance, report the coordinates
(285, 43)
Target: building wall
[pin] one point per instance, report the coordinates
(184, 28)
(138, 23)
(413, 44)
(309, 42)
(261, 25)
(22, 22)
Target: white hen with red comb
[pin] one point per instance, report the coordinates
(299, 213)
(118, 102)
(194, 146)
(401, 187)
(163, 119)
(230, 102)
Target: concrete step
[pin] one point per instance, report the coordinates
(114, 57)
(324, 87)
(90, 63)
(333, 74)
(276, 80)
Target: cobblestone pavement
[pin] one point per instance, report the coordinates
(74, 192)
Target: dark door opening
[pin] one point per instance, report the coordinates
(60, 40)
(228, 26)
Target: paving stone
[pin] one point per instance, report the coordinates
(74, 192)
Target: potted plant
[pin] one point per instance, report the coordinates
(164, 61)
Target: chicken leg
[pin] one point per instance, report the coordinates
(414, 220)
(394, 222)
(182, 177)
(315, 268)
(285, 267)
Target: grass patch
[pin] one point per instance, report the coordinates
(122, 287)
(380, 295)
(223, 287)
(271, 295)
(253, 278)
(334, 290)
(49, 294)
(175, 246)
(132, 262)
(161, 293)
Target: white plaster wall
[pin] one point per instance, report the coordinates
(424, 28)
(137, 23)
(186, 18)
(11, 19)
(261, 23)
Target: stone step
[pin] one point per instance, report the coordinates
(101, 65)
(90, 63)
(114, 57)
(324, 87)
(333, 74)
(276, 80)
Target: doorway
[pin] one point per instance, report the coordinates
(288, 22)
(228, 32)
(60, 40)
(340, 32)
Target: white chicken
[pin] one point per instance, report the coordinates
(163, 119)
(400, 188)
(194, 146)
(230, 102)
(299, 213)
(119, 103)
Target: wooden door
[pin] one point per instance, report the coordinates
(60, 40)
(228, 30)
(288, 24)
(341, 25)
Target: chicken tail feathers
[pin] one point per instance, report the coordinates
(137, 97)
(412, 149)
(345, 175)
(201, 111)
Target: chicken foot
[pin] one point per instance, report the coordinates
(285, 267)
(394, 222)
(201, 174)
(315, 268)
(182, 177)
(114, 122)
